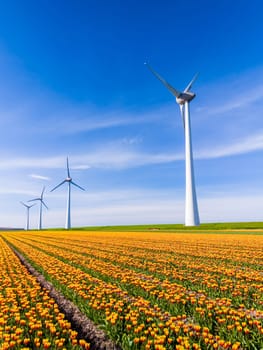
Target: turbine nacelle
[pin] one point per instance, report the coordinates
(180, 96)
(41, 202)
(40, 199)
(185, 97)
(70, 182)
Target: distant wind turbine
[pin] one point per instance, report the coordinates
(183, 98)
(70, 182)
(41, 202)
(27, 214)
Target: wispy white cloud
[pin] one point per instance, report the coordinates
(121, 157)
(140, 206)
(67, 119)
(119, 207)
(131, 141)
(81, 167)
(32, 162)
(234, 101)
(230, 106)
(39, 177)
(97, 159)
(59, 117)
(244, 145)
(231, 208)
(14, 190)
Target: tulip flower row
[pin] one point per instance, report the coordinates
(29, 318)
(154, 291)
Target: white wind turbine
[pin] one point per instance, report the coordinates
(183, 98)
(27, 214)
(70, 182)
(41, 202)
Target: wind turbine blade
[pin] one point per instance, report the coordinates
(58, 186)
(33, 200)
(23, 204)
(42, 192)
(182, 114)
(30, 206)
(68, 168)
(73, 183)
(191, 83)
(165, 83)
(44, 204)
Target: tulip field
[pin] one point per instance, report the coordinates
(29, 318)
(146, 290)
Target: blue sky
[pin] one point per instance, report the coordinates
(73, 83)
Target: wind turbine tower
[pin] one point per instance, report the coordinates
(27, 214)
(41, 202)
(183, 99)
(68, 179)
